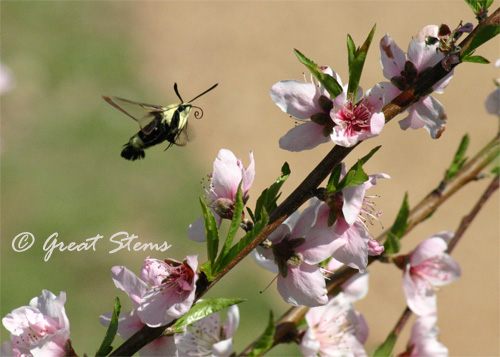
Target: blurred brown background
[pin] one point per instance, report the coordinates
(61, 170)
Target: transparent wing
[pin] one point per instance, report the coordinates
(143, 113)
(182, 137)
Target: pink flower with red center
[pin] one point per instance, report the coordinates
(428, 267)
(40, 329)
(358, 121)
(172, 289)
(130, 322)
(324, 118)
(404, 70)
(228, 173)
(164, 292)
(335, 329)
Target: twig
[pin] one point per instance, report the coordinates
(467, 220)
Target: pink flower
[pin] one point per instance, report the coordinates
(404, 70)
(130, 322)
(423, 341)
(358, 121)
(165, 290)
(356, 204)
(173, 286)
(206, 337)
(352, 242)
(335, 329)
(338, 119)
(350, 208)
(227, 175)
(428, 267)
(40, 329)
(296, 251)
(310, 103)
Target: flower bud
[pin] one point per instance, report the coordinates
(224, 207)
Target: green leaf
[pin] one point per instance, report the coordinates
(355, 176)
(368, 156)
(475, 59)
(207, 268)
(391, 244)
(495, 170)
(265, 341)
(203, 309)
(250, 213)
(334, 179)
(484, 34)
(459, 159)
(478, 5)
(269, 196)
(106, 348)
(247, 239)
(211, 232)
(385, 349)
(328, 82)
(356, 58)
(398, 229)
(233, 229)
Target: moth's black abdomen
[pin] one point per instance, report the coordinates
(132, 153)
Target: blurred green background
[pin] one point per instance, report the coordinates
(60, 150)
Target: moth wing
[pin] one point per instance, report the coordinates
(144, 114)
(182, 137)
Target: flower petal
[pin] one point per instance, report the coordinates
(304, 136)
(303, 285)
(420, 295)
(354, 252)
(296, 98)
(392, 57)
(428, 113)
(226, 175)
(127, 281)
(427, 249)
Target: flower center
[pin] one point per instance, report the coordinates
(355, 117)
(178, 278)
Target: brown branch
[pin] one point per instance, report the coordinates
(467, 220)
(305, 190)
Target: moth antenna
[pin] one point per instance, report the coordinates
(177, 92)
(208, 90)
